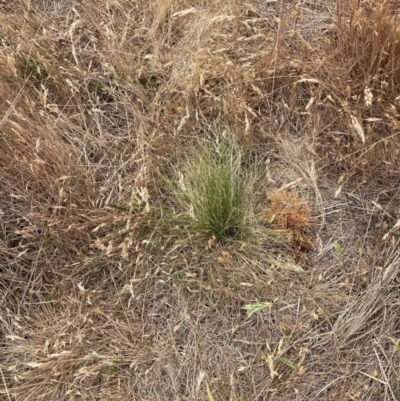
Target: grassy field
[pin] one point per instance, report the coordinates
(199, 200)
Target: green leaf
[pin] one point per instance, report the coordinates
(288, 362)
(119, 208)
(254, 308)
(179, 273)
(337, 248)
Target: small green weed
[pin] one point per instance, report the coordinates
(100, 89)
(33, 70)
(179, 274)
(337, 248)
(148, 81)
(113, 369)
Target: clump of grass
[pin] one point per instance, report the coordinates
(215, 190)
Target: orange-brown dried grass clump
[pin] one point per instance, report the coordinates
(288, 211)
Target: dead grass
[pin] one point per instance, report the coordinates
(288, 211)
(104, 294)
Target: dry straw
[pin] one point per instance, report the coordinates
(104, 294)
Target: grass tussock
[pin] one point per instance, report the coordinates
(215, 190)
(105, 294)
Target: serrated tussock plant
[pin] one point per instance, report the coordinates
(214, 188)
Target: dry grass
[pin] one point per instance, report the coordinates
(104, 294)
(288, 211)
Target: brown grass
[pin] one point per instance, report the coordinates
(288, 211)
(104, 293)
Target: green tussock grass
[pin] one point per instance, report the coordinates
(215, 190)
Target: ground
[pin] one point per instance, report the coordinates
(108, 288)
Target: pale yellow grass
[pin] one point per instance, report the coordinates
(103, 292)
